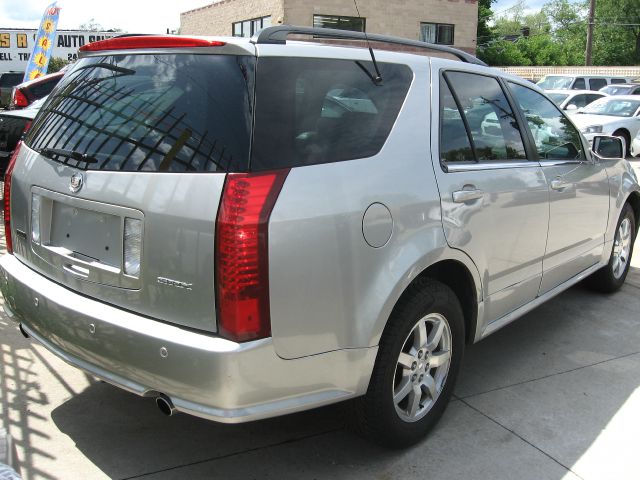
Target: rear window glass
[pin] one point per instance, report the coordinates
(10, 79)
(152, 113)
(311, 111)
(41, 89)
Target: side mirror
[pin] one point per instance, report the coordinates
(608, 147)
(571, 106)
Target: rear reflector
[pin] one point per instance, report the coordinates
(7, 198)
(242, 264)
(149, 41)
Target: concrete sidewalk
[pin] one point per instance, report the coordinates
(554, 396)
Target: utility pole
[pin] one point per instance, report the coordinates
(592, 12)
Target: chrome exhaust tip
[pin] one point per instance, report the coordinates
(166, 405)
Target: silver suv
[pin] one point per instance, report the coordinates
(248, 228)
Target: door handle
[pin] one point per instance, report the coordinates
(463, 196)
(558, 185)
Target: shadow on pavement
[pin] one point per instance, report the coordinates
(554, 379)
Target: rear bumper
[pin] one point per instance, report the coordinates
(203, 375)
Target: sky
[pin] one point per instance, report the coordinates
(133, 16)
(502, 6)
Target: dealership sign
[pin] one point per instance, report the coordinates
(16, 45)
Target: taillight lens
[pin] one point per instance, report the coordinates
(18, 99)
(242, 264)
(7, 198)
(132, 246)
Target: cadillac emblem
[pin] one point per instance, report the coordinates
(76, 183)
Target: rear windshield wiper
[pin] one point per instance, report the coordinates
(80, 157)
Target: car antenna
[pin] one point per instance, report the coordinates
(377, 80)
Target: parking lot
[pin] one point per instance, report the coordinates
(555, 395)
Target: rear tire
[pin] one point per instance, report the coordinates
(418, 361)
(611, 277)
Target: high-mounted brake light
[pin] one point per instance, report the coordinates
(149, 41)
(242, 263)
(7, 198)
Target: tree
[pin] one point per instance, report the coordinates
(56, 64)
(617, 33)
(484, 33)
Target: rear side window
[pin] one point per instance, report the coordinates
(151, 113)
(477, 104)
(618, 80)
(597, 83)
(42, 89)
(311, 111)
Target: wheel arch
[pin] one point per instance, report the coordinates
(634, 200)
(459, 274)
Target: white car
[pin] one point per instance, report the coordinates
(615, 115)
(572, 100)
(635, 146)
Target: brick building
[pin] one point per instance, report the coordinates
(447, 22)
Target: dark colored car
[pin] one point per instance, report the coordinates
(26, 93)
(13, 125)
(7, 81)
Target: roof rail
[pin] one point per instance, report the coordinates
(277, 35)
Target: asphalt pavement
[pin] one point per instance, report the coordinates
(555, 395)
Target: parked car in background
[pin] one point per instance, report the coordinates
(635, 146)
(572, 100)
(246, 228)
(622, 89)
(7, 81)
(615, 115)
(13, 125)
(26, 93)
(578, 82)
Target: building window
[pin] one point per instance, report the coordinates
(354, 24)
(248, 28)
(441, 33)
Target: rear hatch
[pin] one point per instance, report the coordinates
(117, 188)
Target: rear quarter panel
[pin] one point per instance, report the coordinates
(329, 289)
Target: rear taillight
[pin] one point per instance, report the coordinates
(7, 198)
(242, 263)
(18, 99)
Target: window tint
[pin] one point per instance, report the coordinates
(42, 89)
(597, 83)
(492, 125)
(454, 140)
(579, 84)
(311, 111)
(172, 113)
(555, 136)
(618, 80)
